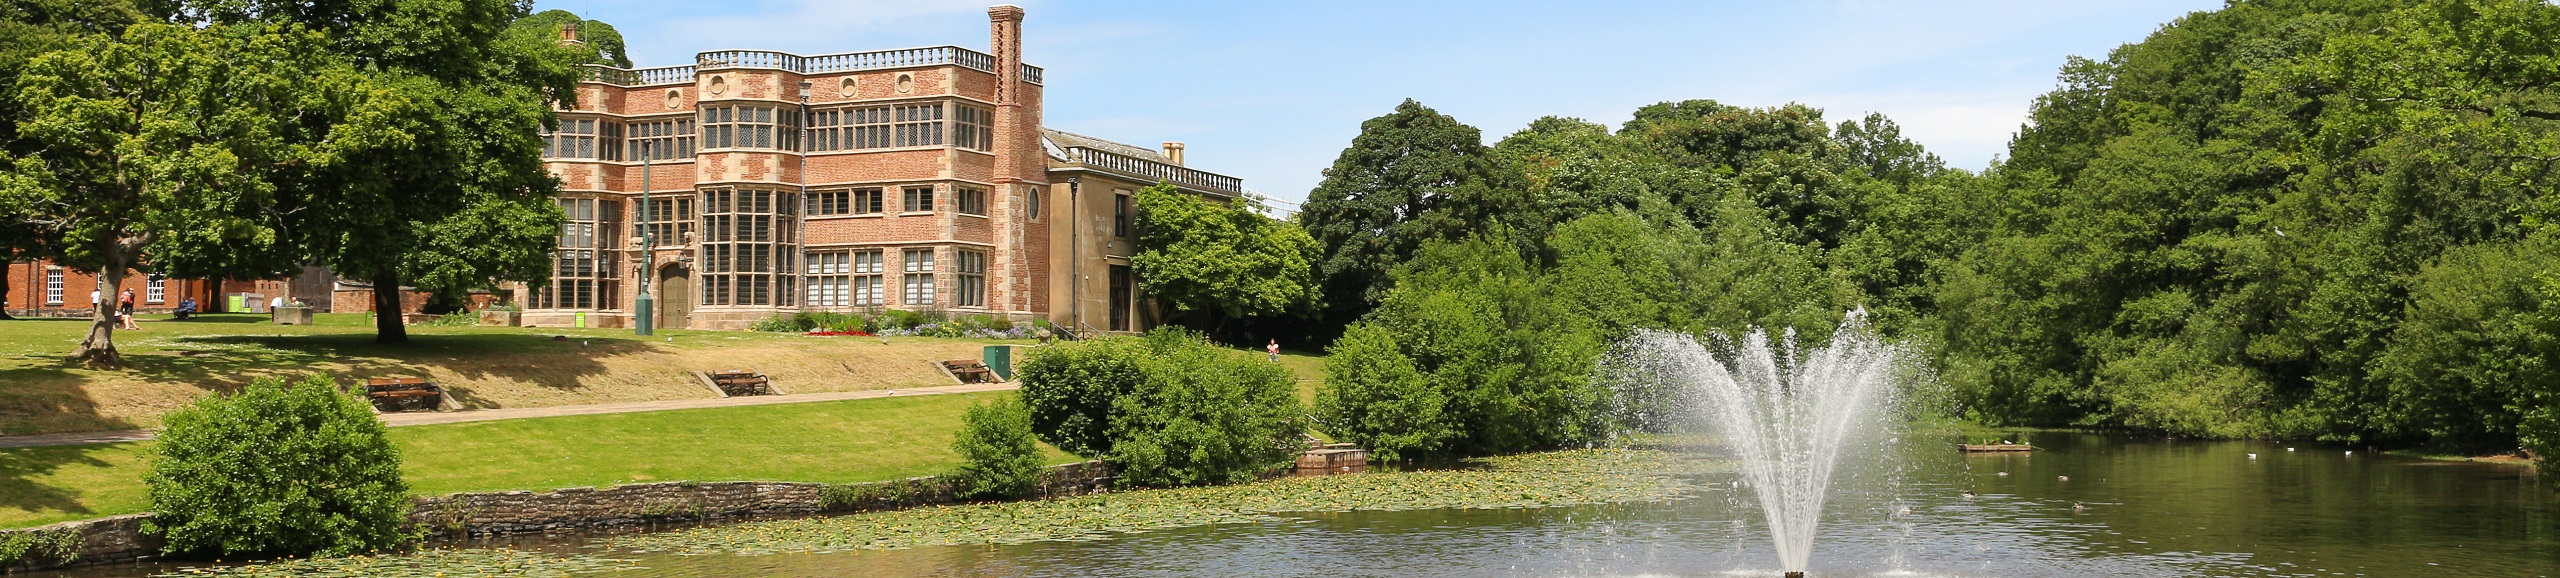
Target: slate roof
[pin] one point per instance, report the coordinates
(1055, 141)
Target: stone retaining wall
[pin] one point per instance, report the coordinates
(120, 538)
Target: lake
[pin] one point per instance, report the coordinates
(2130, 507)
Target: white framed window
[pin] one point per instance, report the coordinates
(918, 266)
(867, 289)
(862, 201)
(969, 279)
(53, 286)
(825, 276)
(155, 289)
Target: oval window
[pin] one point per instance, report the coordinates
(906, 83)
(719, 85)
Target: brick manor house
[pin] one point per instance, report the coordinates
(916, 178)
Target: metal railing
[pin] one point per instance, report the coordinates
(1154, 171)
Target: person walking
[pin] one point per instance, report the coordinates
(1274, 348)
(124, 311)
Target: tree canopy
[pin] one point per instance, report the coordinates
(1212, 263)
(2290, 218)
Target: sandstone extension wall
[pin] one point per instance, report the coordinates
(121, 539)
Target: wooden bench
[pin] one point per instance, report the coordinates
(970, 371)
(737, 382)
(395, 394)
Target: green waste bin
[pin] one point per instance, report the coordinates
(581, 321)
(999, 359)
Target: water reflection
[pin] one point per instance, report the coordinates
(2150, 508)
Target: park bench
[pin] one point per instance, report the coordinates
(970, 371)
(397, 394)
(737, 382)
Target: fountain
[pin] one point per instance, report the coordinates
(1787, 412)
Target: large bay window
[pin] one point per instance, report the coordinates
(582, 269)
(749, 239)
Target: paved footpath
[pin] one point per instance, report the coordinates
(408, 419)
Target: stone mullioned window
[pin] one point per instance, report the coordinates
(749, 240)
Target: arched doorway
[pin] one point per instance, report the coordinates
(675, 296)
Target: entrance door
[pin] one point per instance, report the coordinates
(675, 297)
(1120, 296)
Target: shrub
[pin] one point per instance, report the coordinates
(1205, 415)
(1376, 398)
(1169, 409)
(279, 468)
(1000, 457)
(1071, 389)
(1509, 367)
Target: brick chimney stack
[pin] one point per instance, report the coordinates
(569, 34)
(1173, 153)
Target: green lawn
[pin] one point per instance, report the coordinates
(846, 441)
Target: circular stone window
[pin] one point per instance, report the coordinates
(675, 98)
(847, 86)
(719, 85)
(906, 83)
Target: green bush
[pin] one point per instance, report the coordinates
(1378, 399)
(1071, 389)
(1169, 409)
(1468, 329)
(1000, 456)
(279, 468)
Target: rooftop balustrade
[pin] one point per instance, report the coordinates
(821, 64)
(1150, 170)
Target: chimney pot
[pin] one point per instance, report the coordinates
(1173, 153)
(569, 34)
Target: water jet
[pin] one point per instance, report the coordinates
(1789, 413)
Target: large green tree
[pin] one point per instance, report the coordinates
(2219, 230)
(1376, 205)
(443, 189)
(29, 28)
(162, 146)
(1213, 263)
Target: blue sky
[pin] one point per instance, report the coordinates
(1272, 91)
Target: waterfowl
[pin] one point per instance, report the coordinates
(2004, 474)
(2079, 507)
(2062, 478)
(2253, 456)
(1968, 494)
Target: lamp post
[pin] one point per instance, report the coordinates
(804, 184)
(645, 306)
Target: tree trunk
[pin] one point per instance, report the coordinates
(98, 350)
(4, 287)
(386, 310)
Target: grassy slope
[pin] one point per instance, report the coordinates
(846, 441)
(172, 363)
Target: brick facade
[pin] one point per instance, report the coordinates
(961, 124)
